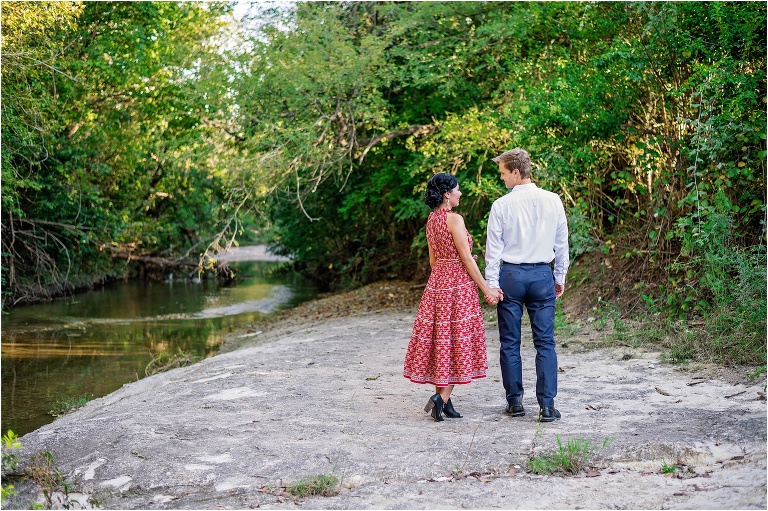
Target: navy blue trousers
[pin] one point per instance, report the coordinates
(532, 286)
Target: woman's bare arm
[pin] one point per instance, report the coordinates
(456, 226)
(432, 258)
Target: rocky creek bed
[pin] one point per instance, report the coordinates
(319, 390)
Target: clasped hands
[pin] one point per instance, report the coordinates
(495, 296)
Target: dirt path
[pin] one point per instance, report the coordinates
(310, 397)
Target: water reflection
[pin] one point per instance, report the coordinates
(93, 343)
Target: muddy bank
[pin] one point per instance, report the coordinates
(308, 396)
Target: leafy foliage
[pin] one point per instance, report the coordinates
(647, 118)
(106, 147)
(160, 128)
(635, 113)
(9, 463)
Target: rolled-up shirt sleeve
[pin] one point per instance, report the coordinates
(562, 258)
(494, 245)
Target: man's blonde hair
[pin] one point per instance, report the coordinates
(516, 158)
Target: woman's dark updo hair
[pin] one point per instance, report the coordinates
(437, 186)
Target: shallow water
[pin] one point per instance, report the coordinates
(93, 343)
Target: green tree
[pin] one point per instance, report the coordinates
(635, 113)
(158, 128)
(118, 142)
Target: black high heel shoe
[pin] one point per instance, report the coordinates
(435, 405)
(450, 411)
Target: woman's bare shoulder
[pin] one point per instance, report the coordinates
(454, 218)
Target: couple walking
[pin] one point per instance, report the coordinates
(527, 230)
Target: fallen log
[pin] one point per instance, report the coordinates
(163, 262)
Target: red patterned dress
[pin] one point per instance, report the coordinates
(447, 345)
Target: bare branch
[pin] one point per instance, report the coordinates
(413, 130)
(301, 204)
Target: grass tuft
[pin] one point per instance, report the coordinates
(326, 485)
(667, 469)
(165, 361)
(567, 459)
(69, 404)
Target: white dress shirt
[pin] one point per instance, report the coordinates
(527, 225)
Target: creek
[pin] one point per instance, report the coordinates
(92, 343)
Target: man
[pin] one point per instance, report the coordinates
(527, 229)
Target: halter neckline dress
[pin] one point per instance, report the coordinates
(447, 345)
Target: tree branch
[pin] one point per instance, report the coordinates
(413, 130)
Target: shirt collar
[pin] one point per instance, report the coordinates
(528, 186)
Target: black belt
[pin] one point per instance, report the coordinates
(526, 264)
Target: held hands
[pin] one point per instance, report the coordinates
(495, 296)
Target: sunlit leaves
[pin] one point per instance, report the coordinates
(114, 124)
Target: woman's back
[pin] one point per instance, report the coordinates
(440, 238)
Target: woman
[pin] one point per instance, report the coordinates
(447, 345)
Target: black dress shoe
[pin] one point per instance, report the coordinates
(450, 411)
(435, 404)
(515, 410)
(548, 414)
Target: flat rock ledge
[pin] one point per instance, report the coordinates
(328, 397)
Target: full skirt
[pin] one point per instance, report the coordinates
(447, 345)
